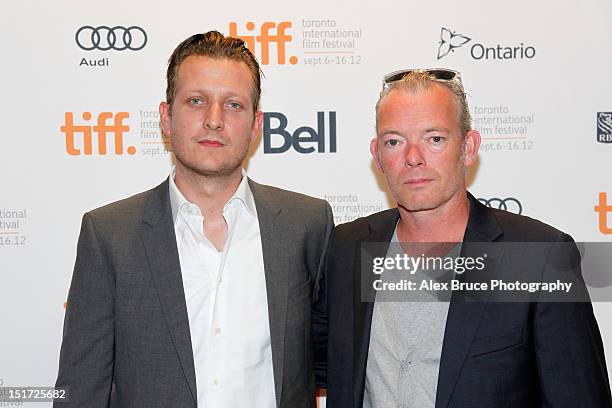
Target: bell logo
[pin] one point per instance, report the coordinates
(303, 139)
(265, 38)
(603, 208)
(102, 128)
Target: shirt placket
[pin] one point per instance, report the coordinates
(195, 222)
(216, 340)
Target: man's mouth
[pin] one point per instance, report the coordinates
(211, 143)
(417, 182)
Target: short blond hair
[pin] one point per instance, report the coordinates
(419, 81)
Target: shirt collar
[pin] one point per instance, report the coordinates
(243, 194)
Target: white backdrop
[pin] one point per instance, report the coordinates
(538, 75)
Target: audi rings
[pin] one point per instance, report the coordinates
(506, 204)
(106, 38)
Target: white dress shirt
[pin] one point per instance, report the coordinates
(226, 303)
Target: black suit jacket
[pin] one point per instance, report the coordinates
(494, 354)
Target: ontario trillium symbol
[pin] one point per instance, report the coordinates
(449, 41)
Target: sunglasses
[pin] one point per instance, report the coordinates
(437, 74)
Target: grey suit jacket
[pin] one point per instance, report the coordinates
(126, 332)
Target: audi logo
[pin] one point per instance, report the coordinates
(508, 204)
(116, 38)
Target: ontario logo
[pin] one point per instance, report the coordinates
(106, 123)
(451, 40)
(265, 40)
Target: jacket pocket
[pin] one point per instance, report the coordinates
(493, 344)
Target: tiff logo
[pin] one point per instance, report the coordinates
(265, 38)
(101, 129)
(603, 209)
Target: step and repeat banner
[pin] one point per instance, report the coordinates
(82, 82)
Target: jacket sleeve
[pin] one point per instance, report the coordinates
(569, 349)
(87, 353)
(319, 312)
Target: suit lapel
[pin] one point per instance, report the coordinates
(375, 244)
(464, 316)
(273, 247)
(161, 249)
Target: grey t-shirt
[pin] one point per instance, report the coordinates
(406, 341)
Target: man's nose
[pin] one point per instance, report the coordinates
(414, 156)
(214, 117)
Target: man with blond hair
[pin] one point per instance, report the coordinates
(446, 348)
(198, 292)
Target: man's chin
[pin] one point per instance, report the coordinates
(212, 171)
(416, 207)
(416, 202)
(421, 203)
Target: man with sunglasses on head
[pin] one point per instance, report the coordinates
(198, 292)
(446, 349)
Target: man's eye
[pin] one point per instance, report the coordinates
(392, 142)
(195, 101)
(437, 139)
(234, 105)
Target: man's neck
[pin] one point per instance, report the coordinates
(209, 193)
(446, 223)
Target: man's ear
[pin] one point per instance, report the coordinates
(166, 118)
(257, 123)
(471, 144)
(374, 151)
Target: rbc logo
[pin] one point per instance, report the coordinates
(604, 127)
(264, 39)
(102, 128)
(302, 136)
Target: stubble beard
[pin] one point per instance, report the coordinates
(225, 171)
(432, 199)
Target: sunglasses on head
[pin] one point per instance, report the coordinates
(437, 74)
